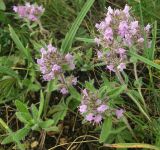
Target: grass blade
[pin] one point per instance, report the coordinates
(8, 71)
(145, 60)
(67, 42)
(19, 44)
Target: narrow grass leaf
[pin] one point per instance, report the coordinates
(67, 42)
(106, 129)
(21, 106)
(20, 134)
(145, 60)
(8, 71)
(19, 44)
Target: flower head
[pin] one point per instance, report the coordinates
(28, 11)
(90, 117)
(102, 108)
(51, 62)
(97, 119)
(82, 108)
(64, 91)
(119, 113)
(118, 31)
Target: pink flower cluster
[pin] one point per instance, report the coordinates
(118, 32)
(28, 11)
(52, 63)
(92, 108)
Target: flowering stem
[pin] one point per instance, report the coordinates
(63, 80)
(47, 98)
(42, 30)
(120, 77)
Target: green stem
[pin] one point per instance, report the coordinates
(131, 96)
(139, 87)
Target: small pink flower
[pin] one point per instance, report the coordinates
(74, 81)
(147, 28)
(108, 34)
(119, 113)
(102, 25)
(108, 20)
(99, 54)
(85, 92)
(56, 68)
(98, 102)
(121, 66)
(97, 41)
(70, 59)
(98, 119)
(89, 117)
(110, 67)
(102, 108)
(123, 28)
(117, 12)
(83, 108)
(126, 10)
(133, 27)
(64, 91)
(15, 8)
(51, 48)
(121, 51)
(110, 10)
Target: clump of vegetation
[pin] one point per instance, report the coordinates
(68, 82)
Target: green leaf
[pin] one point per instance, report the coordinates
(24, 117)
(46, 124)
(117, 131)
(19, 44)
(116, 91)
(41, 106)
(8, 71)
(145, 60)
(20, 134)
(74, 93)
(21, 106)
(67, 42)
(20, 146)
(87, 40)
(106, 129)
(90, 85)
(34, 112)
(58, 112)
(54, 128)
(2, 5)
